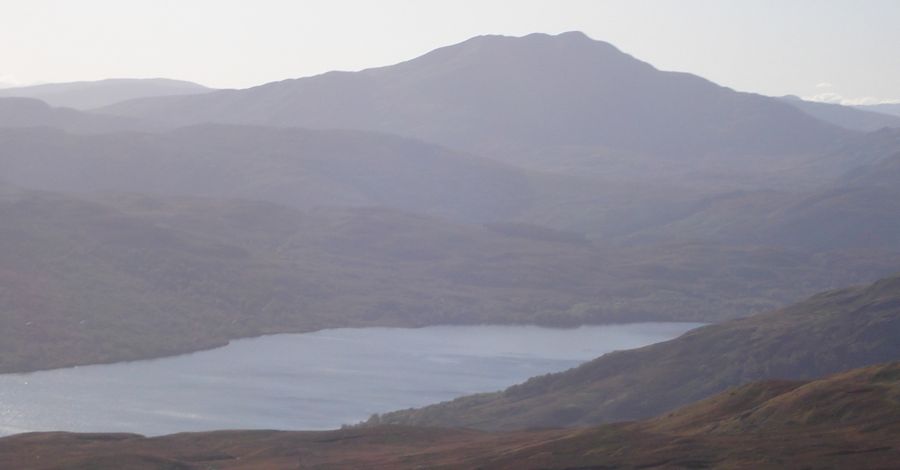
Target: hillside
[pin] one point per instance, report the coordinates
(827, 333)
(295, 167)
(844, 421)
(858, 207)
(565, 102)
(93, 281)
(310, 168)
(884, 108)
(849, 117)
(127, 276)
(28, 112)
(100, 93)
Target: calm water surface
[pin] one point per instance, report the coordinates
(311, 381)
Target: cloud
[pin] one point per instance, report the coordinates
(824, 85)
(827, 97)
(837, 98)
(8, 81)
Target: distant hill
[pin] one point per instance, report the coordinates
(844, 421)
(308, 168)
(886, 108)
(860, 207)
(28, 112)
(96, 94)
(849, 117)
(563, 102)
(828, 333)
(294, 167)
(122, 277)
(885, 174)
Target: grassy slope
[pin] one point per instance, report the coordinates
(830, 332)
(845, 421)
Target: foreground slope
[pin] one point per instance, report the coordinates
(844, 421)
(827, 333)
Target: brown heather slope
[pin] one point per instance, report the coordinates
(86, 281)
(851, 420)
(827, 333)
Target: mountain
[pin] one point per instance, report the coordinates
(563, 102)
(884, 174)
(86, 281)
(310, 168)
(848, 117)
(296, 167)
(828, 333)
(884, 108)
(857, 207)
(844, 421)
(96, 94)
(121, 276)
(18, 113)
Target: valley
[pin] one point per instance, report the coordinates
(508, 251)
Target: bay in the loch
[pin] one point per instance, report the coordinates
(317, 380)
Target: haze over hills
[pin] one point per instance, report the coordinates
(762, 227)
(307, 168)
(29, 113)
(300, 168)
(857, 118)
(134, 277)
(884, 108)
(857, 208)
(843, 421)
(565, 103)
(828, 333)
(310, 168)
(96, 94)
(124, 277)
(549, 180)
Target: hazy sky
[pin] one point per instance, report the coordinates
(845, 49)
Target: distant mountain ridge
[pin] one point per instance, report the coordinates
(295, 167)
(866, 119)
(20, 113)
(557, 102)
(885, 108)
(95, 94)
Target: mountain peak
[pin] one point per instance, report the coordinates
(568, 38)
(522, 100)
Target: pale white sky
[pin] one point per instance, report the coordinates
(838, 49)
